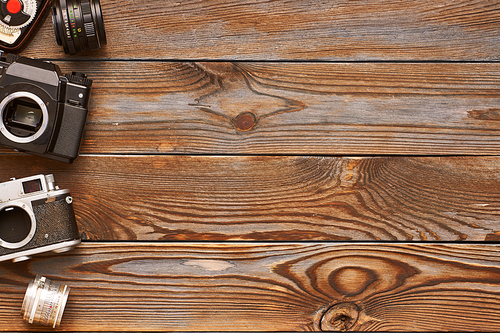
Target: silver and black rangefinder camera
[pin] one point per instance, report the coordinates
(35, 217)
(42, 111)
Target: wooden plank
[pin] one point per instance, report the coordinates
(266, 287)
(277, 198)
(293, 30)
(299, 108)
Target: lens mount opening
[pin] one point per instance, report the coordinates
(17, 225)
(23, 117)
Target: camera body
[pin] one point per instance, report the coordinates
(35, 217)
(42, 112)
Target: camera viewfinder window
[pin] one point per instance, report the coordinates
(32, 186)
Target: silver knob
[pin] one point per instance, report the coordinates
(50, 182)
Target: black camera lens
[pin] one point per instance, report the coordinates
(78, 25)
(23, 117)
(15, 224)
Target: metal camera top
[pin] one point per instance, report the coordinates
(25, 187)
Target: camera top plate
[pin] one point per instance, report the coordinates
(19, 188)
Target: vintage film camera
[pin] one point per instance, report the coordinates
(42, 111)
(35, 217)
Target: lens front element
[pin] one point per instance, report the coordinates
(78, 25)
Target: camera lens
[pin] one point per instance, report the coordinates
(44, 302)
(15, 226)
(78, 25)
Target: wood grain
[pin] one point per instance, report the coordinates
(281, 144)
(293, 30)
(266, 287)
(277, 198)
(293, 109)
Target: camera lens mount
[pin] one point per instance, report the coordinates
(23, 117)
(78, 25)
(17, 225)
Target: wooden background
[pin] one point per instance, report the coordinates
(280, 166)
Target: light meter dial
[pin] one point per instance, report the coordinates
(16, 14)
(19, 21)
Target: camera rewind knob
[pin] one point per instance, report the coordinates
(50, 182)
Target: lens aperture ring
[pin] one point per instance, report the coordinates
(75, 21)
(60, 14)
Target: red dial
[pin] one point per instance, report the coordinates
(14, 6)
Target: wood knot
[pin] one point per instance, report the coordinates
(245, 121)
(351, 281)
(340, 317)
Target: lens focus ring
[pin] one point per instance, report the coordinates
(86, 9)
(89, 25)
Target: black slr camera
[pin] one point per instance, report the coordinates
(36, 217)
(42, 111)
